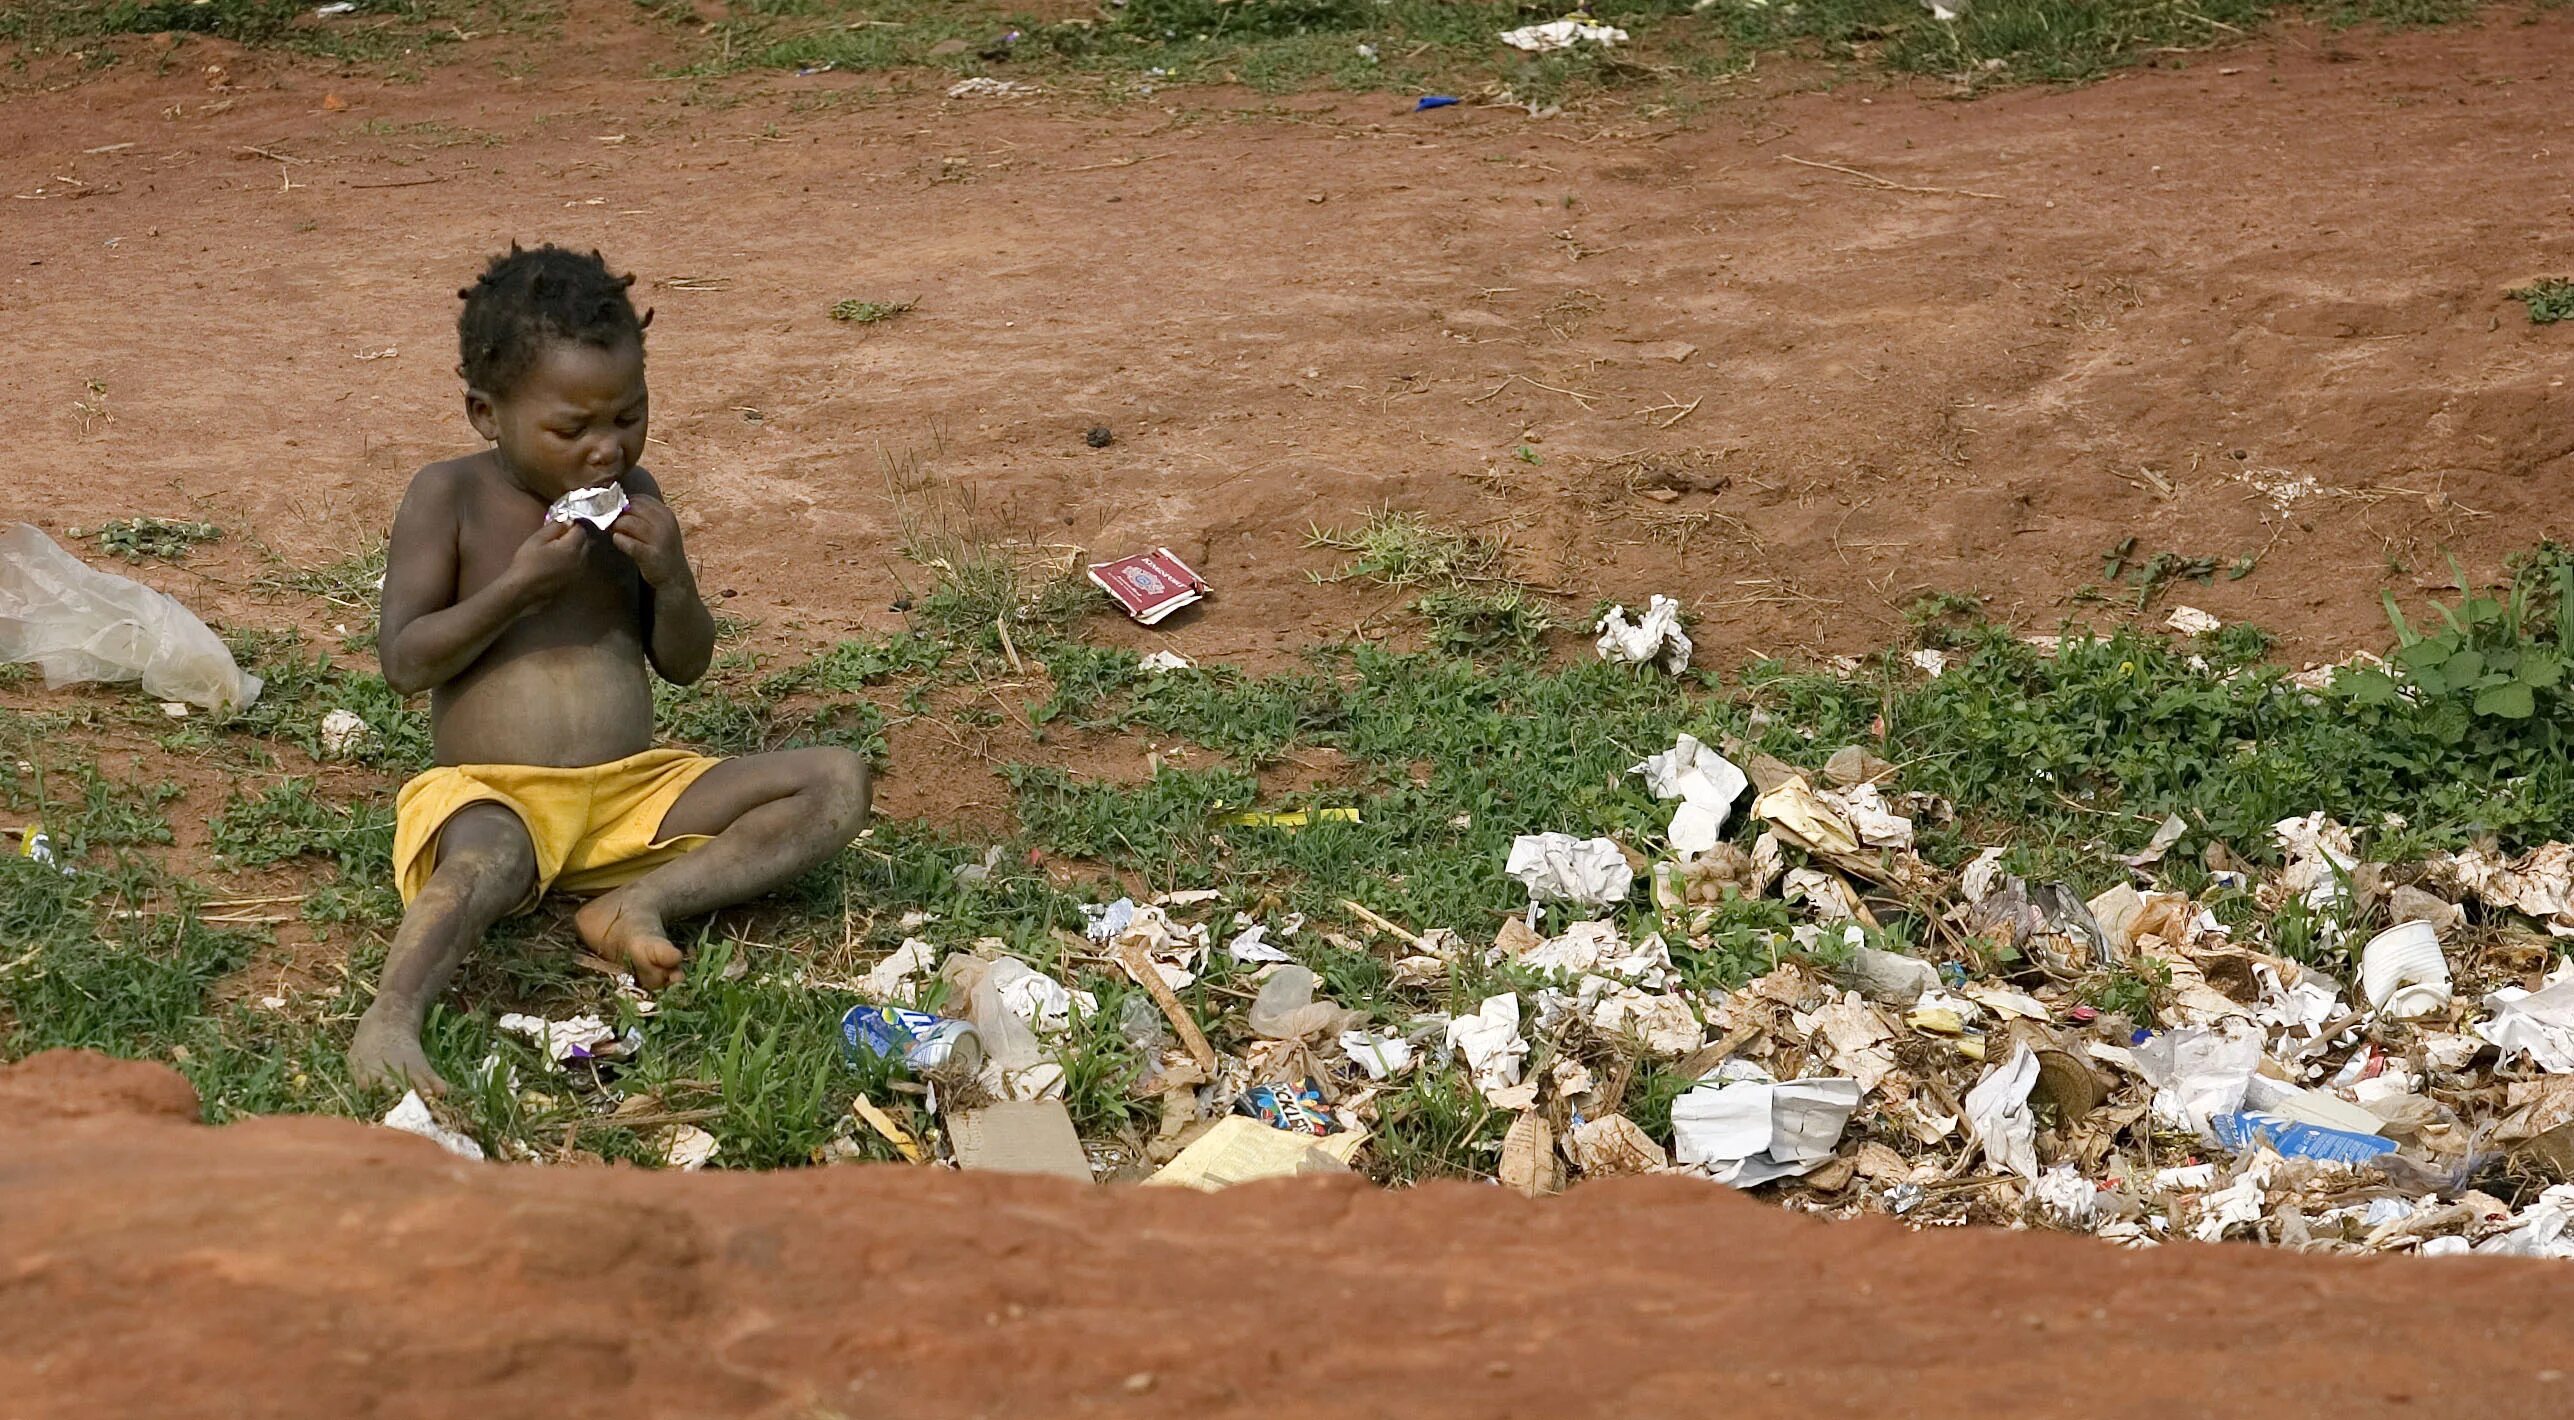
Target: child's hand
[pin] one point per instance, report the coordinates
(550, 558)
(648, 532)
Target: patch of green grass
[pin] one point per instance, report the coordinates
(2066, 757)
(304, 685)
(855, 312)
(291, 820)
(2549, 301)
(380, 30)
(81, 808)
(1407, 550)
(1471, 605)
(1452, 46)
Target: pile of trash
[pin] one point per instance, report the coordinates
(2124, 1065)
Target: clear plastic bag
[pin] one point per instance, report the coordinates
(76, 623)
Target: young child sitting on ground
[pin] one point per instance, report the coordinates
(536, 640)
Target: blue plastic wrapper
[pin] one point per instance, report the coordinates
(1430, 101)
(1298, 1110)
(2292, 1140)
(917, 1038)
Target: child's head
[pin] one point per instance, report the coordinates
(553, 363)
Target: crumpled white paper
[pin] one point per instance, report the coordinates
(2540, 883)
(1588, 872)
(1489, 1041)
(1167, 661)
(412, 1116)
(2544, 1228)
(1175, 950)
(1598, 947)
(1663, 1024)
(1998, 1115)
(2200, 1072)
(575, 1039)
(1877, 825)
(1251, 947)
(1382, 1054)
(1705, 782)
(889, 982)
(1562, 34)
(2320, 859)
(2190, 621)
(2063, 1194)
(2539, 1024)
(342, 732)
(688, 1147)
(2244, 1201)
(1753, 1131)
(1038, 999)
(1657, 638)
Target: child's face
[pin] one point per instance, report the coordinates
(574, 420)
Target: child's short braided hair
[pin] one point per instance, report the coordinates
(525, 298)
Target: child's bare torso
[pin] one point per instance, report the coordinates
(567, 683)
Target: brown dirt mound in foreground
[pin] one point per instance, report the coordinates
(289, 1267)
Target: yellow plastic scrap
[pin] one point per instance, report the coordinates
(1294, 818)
(1938, 1020)
(1804, 820)
(884, 1124)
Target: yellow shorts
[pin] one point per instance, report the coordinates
(595, 826)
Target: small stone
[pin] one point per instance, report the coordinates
(1099, 437)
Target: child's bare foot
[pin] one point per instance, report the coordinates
(386, 1052)
(618, 928)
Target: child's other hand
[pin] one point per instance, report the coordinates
(550, 558)
(648, 532)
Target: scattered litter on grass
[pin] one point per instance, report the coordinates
(1656, 639)
(1705, 782)
(582, 1037)
(687, 1147)
(1557, 867)
(343, 733)
(1562, 34)
(412, 1116)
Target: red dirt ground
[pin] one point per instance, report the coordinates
(309, 1267)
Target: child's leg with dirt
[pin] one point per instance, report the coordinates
(486, 866)
(770, 816)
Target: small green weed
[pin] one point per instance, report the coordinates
(168, 539)
(2489, 661)
(2549, 301)
(1406, 550)
(2131, 991)
(869, 312)
(1472, 606)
